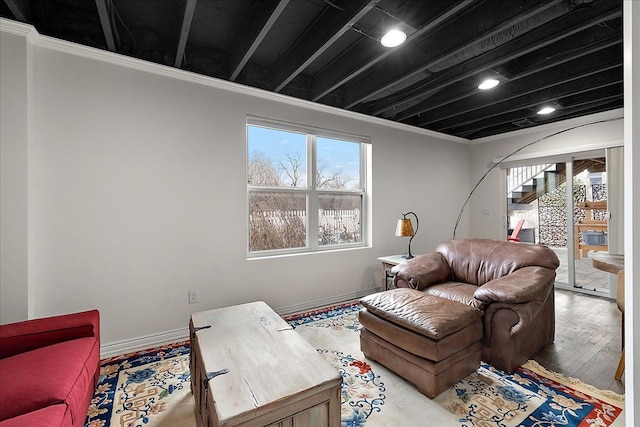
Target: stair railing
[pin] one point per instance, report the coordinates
(519, 176)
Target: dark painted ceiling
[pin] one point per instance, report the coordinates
(564, 52)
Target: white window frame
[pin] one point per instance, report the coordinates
(310, 190)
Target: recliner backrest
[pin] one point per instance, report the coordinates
(478, 261)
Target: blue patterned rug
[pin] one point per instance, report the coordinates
(151, 388)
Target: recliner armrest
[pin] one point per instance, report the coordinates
(421, 271)
(519, 287)
(19, 337)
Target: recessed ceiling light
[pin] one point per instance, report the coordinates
(393, 38)
(546, 110)
(488, 84)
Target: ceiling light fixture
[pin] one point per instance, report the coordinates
(393, 38)
(546, 110)
(488, 84)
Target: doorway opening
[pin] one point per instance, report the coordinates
(568, 215)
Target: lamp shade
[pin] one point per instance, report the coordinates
(404, 228)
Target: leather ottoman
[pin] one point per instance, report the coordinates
(430, 341)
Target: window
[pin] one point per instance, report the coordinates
(306, 189)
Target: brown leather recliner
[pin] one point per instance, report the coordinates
(513, 283)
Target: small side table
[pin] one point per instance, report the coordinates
(611, 263)
(388, 262)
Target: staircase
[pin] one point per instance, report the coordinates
(528, 183)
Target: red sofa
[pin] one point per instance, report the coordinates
(49, 369)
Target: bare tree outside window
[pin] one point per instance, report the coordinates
(261, 170)
(334, 179)
(291, 166)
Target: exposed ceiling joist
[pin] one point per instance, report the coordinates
(187, 19)
(344, 71)
(105, 20)
(597, 101)
(554, 92)
(540, 37)
(20, 9)
(385, 78)
(261, 22)
(443, 98)
(319, 38)
(551, 81)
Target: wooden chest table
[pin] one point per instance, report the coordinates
(250, 368)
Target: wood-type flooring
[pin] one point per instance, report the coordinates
(588, 342)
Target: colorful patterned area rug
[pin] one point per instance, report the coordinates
(151, 388)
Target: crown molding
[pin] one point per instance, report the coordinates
(19, 29)
(187, 76)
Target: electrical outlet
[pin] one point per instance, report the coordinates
(193, 296)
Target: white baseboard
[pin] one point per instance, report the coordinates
(167, 337)
(144, 342)
(311, 305)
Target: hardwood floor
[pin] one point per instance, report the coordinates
(588, 340)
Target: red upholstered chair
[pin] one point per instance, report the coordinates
(514, 235)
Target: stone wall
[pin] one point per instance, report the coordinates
(552, 218)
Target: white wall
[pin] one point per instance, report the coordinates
(136, 190)
(14, 137)
(631, 15)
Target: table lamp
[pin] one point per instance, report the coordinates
(404, 228)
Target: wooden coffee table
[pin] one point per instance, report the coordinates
(249, 367)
